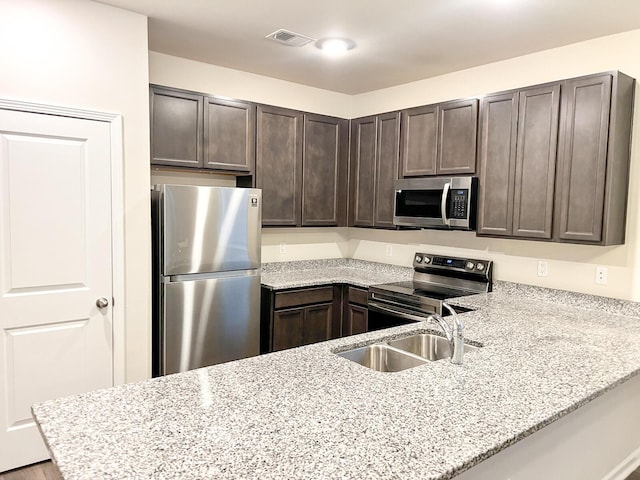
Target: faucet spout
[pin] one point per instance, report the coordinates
(454, 333)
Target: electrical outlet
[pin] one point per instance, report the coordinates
(389, 250)
(283, 247)
(543, 268)
(601, 275)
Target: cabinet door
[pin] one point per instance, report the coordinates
(279, 164)
(582, 158)
(387, 168)
(418, 143)
(317, 323)
(176, 128)
(457, 137)
(287, 328)
(325, 164)
(363, 167)
(496, 163)
(229, 135)
(356, 321)
(535, 161)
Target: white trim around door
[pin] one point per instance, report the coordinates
(117, 209)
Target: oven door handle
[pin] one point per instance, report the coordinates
(408, 316)
(443, 204)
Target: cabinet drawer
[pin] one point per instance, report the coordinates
(305, 296)
(358, 295)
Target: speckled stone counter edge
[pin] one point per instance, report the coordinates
(361, 265)
(612, 306)
(584, 301)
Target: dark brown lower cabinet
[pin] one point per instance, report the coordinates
(291, 318)
(301, 326)
(355, 312)
(287, 328)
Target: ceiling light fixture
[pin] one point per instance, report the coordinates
(335, 47)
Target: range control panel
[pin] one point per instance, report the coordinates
(424, 260)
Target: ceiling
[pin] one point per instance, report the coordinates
(397, 41)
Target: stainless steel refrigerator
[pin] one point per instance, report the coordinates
(206, 269)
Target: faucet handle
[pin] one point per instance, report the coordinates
(458, 325)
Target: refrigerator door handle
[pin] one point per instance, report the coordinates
(211, 275)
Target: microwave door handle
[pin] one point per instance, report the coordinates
(443, 204)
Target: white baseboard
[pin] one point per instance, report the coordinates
(624, 469)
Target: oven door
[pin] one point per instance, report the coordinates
(386, 311)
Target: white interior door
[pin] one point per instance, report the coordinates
(55, 263)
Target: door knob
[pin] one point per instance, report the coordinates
(102, 302)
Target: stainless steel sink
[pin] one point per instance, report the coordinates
(382, 358)
(430, 347)
(408, 352)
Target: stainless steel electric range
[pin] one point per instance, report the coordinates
(436, 278)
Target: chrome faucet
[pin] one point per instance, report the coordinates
(455, 335)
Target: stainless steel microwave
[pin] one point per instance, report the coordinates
(436, 202)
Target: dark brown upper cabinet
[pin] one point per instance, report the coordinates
(302, 166)
(496, 163)
(386, 171)
(439, 139)
(363, 166)
(325, 171)
(518, 142)
(536, 146)
(229, 135)
(593, 159)
(554, 161)
(375, 146)
(197, 131)
(418, 143)
(279, 164)
(176, 127)
(457, 137)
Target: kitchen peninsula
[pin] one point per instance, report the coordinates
(547, 356)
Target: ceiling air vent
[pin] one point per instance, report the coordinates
(290, 38)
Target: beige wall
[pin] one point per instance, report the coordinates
(202, 77)
(86, 55)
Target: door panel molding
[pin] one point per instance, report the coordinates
(117, 211)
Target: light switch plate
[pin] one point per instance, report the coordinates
(543, 268)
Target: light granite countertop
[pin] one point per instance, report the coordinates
(308, 413)
(283, 275)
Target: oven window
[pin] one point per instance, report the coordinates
(379, 321)
(419, 203)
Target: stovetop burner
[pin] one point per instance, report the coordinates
(424, 290)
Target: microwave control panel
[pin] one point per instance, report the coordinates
(459, 201)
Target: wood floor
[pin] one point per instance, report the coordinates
(635, 475)
(47, 471)
(37, 471)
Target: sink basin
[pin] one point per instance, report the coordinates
(431, 347)
(382, 358)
